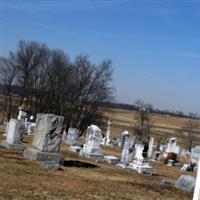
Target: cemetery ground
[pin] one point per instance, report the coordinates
(82, 178)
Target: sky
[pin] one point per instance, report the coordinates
(154, 45)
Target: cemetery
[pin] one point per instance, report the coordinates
(54, 155)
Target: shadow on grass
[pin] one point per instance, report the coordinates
(79, 164)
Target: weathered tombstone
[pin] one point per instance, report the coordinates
(72, 137)
(14, 136)
(195, 154)
(91, 148)
(196, 195)
(124, 135)
(127, 154)
(186, 183)
(46, 139)
(108, 135)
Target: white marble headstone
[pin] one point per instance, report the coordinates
(108, 135)
(14, 134)
(139, 150)
(93, 136)
(151, 145)
(171, 146)
(127, 154)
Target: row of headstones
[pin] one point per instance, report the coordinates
(47, 140)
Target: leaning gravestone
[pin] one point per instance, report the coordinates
(186, 183)
(14, 136)
(91, 148)
(47, 140)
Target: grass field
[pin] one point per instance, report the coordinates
(166, 126)
(82, 178)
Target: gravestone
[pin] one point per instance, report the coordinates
(91, 148)
(108, 135)
(46, 139)
(71, 137)
(14, 136)
(124, 135)
(196, 195)
(140, 164)
(171, 146)
(151, 145)
(195, 154)
(127, 154)
(186, 183)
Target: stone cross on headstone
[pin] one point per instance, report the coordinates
(108, 135)
(22, 116)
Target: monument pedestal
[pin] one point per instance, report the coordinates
(91, 152)
(142, 167)
(121, 165)
(111, 159)
(34, 154)
(75, 149)
(16, 146)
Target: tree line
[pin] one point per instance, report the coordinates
(137, 104)
(55, 84)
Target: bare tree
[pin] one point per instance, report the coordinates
(7, 75)
(143, 124)
(56, 85)
(190, 128)
(90, 87)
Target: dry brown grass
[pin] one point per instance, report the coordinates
(167, 126)
(24, 179)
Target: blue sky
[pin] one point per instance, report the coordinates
(154, 45)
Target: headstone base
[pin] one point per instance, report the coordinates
(34, 154)
(96, 156)
(111, 159)
(50, 165)
(141, 169)
(75, 149)
(121, 165)
(17, 147)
